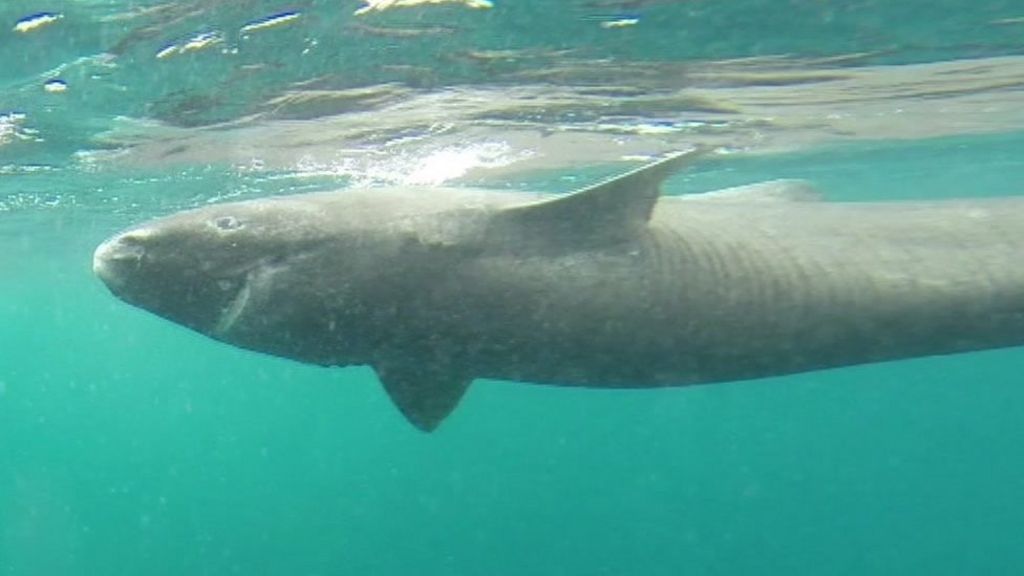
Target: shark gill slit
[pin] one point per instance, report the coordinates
(233, 311)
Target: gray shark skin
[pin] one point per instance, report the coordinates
(610, 286)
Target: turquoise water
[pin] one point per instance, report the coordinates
(129, 445)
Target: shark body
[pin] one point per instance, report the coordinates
(610, 286)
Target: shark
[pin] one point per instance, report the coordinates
(614, 285)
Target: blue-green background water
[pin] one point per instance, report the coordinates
(129, 445)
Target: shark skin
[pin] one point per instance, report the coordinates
(609, 286)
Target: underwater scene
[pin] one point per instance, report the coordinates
(505, 237)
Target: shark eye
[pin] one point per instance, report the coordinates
(226, 223)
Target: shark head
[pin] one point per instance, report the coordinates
(197, 268)
(314, 277)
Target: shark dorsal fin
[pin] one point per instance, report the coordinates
(424, 395)
(611, 210)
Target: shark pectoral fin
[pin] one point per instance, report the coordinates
(611, 210)
(770, 191)
(425, 396)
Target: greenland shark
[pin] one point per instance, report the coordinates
(613, 285)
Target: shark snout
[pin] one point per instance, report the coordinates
(116, 257)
